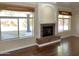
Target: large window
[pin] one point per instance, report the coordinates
(64, 22)
(14, 24)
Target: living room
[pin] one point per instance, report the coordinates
(45, 21)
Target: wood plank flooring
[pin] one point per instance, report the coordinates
(67, 47)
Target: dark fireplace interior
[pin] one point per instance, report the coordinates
(47, 30)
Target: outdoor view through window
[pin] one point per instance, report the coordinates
(64, 23)
(14, 24)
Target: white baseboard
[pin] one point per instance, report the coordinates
(6, 51)
(66, 36)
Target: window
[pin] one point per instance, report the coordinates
(9, 28)
(64, 22)
(15, 24)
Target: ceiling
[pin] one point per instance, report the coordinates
(33, 4)
(69, 4)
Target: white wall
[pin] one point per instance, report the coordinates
(75, 22)
(63, 8)
(47, 13)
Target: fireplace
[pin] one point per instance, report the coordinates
(48, 36)
(47, 29)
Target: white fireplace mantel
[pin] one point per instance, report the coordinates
(47, 13)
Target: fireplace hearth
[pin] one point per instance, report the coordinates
(47, 30)
(48, 36)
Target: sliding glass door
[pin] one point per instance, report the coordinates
(14, 24)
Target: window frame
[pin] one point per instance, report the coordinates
(69, 19)
(12, 7)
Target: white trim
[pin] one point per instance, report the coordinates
(41, 45)
(65, 36)
(6, 51)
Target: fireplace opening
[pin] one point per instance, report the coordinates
(47, 30)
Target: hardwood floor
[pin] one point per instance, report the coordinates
(67, 47)
(70, 46)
